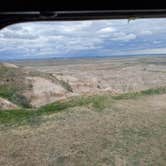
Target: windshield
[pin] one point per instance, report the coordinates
(81, 93)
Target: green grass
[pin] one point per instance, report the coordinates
(12, 84)
(29, 116)
(7, 92)
(152, 91)
(97, 102)
(13, 94)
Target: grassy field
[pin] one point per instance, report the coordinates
(109, 129)
(128, 129)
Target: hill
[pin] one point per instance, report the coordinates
(27, 88)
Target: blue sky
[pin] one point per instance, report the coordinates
(83, 38)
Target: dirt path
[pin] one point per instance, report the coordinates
(130, 132)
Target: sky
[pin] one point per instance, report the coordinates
(83, 39)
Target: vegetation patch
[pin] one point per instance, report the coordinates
(12, 84)
(152, 91)
(13, 94)
(98, 102)
(28, 116)
(66, 85)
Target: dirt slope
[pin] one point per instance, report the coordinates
(30, 88)
(7, 105)
(43, 91)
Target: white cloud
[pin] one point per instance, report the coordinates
(121, 36)
(106, 30)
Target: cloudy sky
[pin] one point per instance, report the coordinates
(83, 38)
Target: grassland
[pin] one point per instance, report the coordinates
(125, 128)
(128, 129)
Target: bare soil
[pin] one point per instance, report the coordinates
(47, 81)
(105, 74)
(6, 105)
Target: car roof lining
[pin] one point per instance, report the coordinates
(12, 17)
